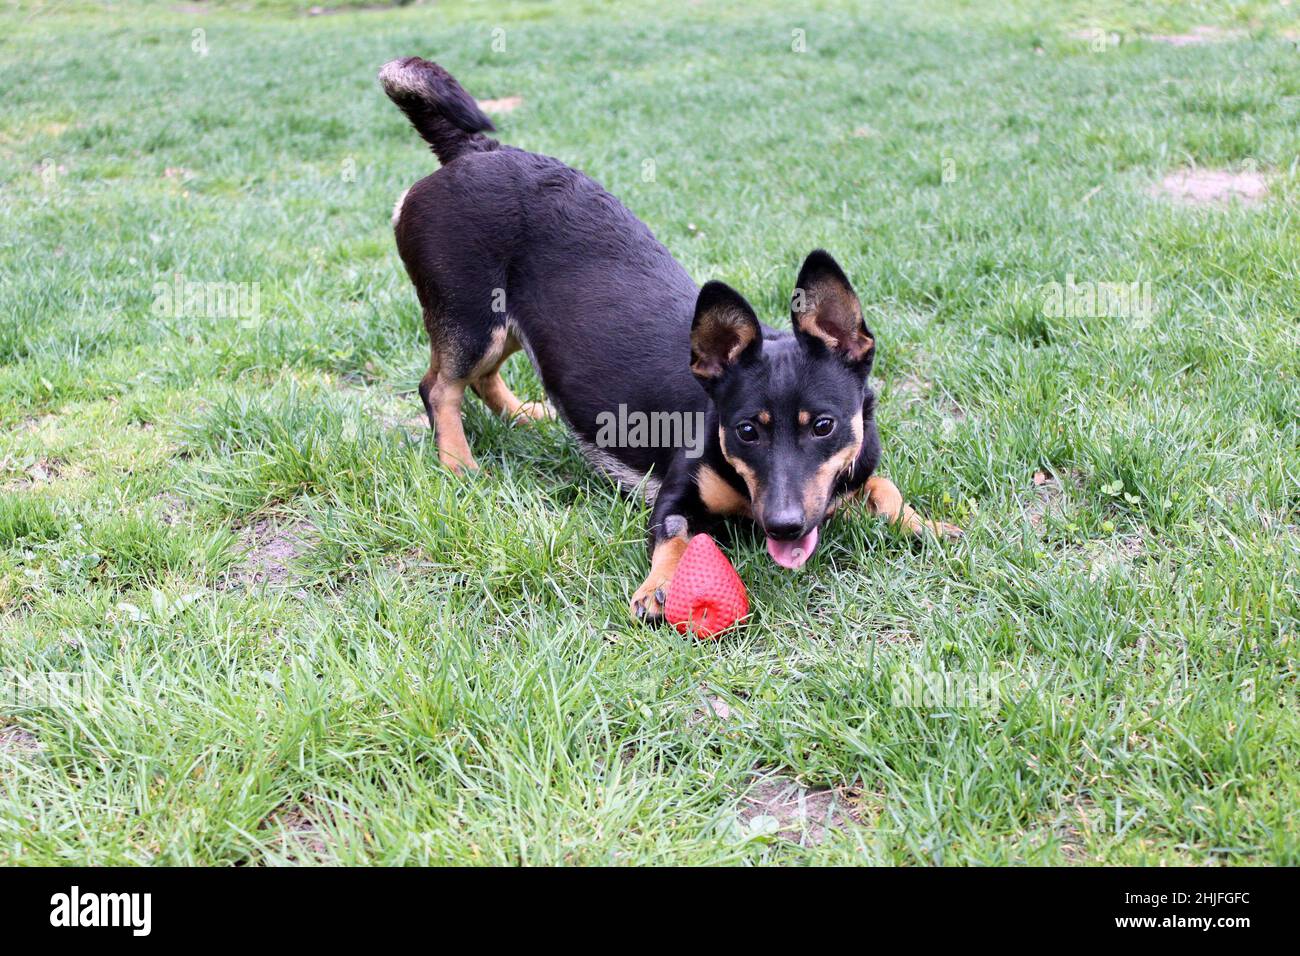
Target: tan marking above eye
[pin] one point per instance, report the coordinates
(765, 417)
(805, 418)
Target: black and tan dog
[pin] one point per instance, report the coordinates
(510, 250)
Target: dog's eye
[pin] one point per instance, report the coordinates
(823, 426)
(747, 432)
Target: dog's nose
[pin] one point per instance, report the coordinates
(785, 525)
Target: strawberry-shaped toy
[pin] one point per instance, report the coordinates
(706, 595)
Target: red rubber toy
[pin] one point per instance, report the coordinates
(706, 596)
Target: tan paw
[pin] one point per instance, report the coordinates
(456, 465)
(942, 529)
(648, 602)
(533, 412)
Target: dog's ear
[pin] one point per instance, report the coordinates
(723, 332)
(825, 312)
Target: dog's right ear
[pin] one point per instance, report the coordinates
(723, 332)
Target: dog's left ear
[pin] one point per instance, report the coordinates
(825, 312)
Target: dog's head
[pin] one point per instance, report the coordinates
(790, 409)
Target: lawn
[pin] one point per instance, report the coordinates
(246, 618)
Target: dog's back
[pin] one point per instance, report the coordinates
(511, 249)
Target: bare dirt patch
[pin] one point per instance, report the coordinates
(30, 472)
(419, 424)
(1197, 36)
(915, 390)
(505, 104)
(1213, 187)
(171, 507)
(800, 814)
(40, 423)
(301, 837)
(1116, 554)
(1071, 827)
(1049, 496)
(324, 11)
(714, 710)
(270, 549)
(896, 634)
(15, 742)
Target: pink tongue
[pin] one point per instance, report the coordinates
(792, 554)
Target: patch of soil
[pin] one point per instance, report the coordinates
(31, 472)
(889, 636)
(505, 104)
(172, 508)
(39, 423)
(1049, 496)
(270, 550)
(1210, 187)
(419, 424)
(803, 815)
(302, 838)
(913, 389)
(714, 709)
(1108, 556)
(15, 741)
(1197, 36)
(323, 11)
(916, 390)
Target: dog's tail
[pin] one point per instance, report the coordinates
(438, 107)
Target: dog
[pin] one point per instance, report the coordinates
(511, 250)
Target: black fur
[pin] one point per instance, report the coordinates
(609, 318)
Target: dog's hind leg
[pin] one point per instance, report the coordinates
(443, 393)
(496, 394)
(884, 499)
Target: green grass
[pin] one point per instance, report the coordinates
(446, 672)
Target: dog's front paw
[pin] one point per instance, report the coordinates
(648, 602)
(941, 529)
